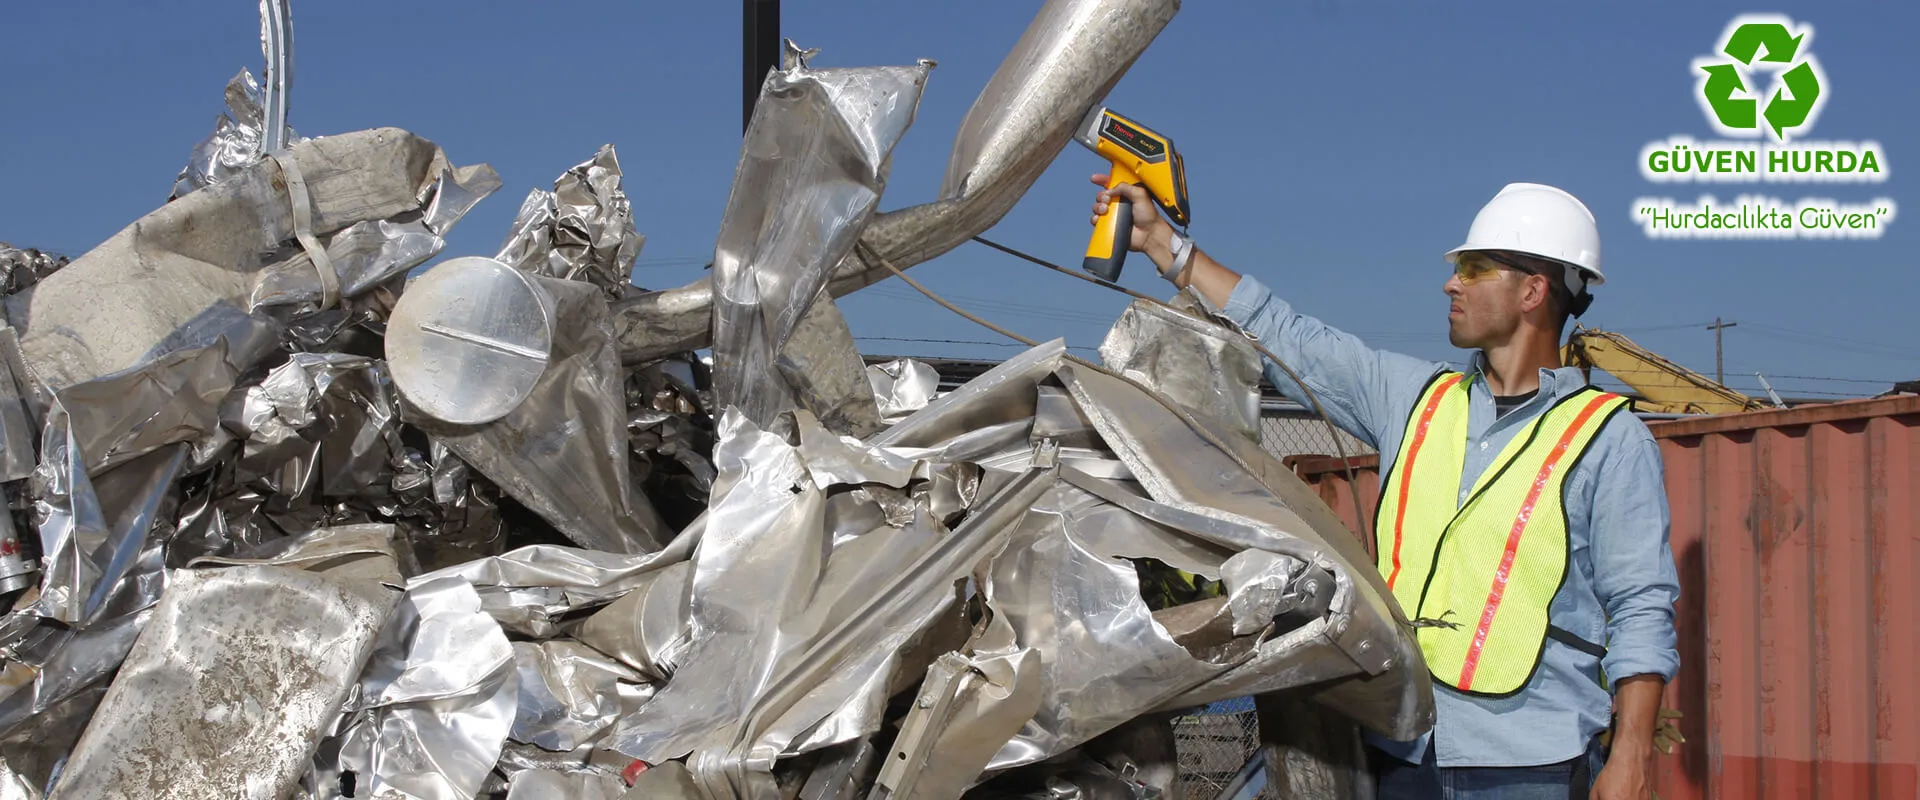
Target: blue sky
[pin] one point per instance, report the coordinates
(1334, 149)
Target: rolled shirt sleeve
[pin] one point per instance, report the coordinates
(1633, 568)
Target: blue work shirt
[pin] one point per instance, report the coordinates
(1621, 582)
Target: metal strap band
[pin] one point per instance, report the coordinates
(303, 228)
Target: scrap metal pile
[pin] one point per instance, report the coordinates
(291, 520)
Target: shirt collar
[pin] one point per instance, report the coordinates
(1553, 382)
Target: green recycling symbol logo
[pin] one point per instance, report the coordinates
(1753, 45)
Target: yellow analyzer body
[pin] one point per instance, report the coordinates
(1138, 156)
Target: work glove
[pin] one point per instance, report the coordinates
(1666, 733)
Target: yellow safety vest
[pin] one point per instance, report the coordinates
(1478, 576)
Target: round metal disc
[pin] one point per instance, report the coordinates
(469, 339)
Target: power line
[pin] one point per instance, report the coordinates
(1817, 335)
(1816, 340)
(1658, 328)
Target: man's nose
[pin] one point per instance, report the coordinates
(1453, 287)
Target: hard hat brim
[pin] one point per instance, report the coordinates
(1592, 278)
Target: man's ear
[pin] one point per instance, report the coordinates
(1537, 294)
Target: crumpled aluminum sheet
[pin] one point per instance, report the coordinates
(822, 368)
(56, 666)
(570, 694)
(580, 231)
(529, 589)
(646, 629)
(833, 459)
(370, 253)
(181, 275)
(320, 423)
(1113, 662)
(1068, 59)
(1203, 367)
(20, 408)
(24, 267)
(1319, 647)
(1258, 587)
(886, 602)
(35, 754)
(452, 516)
(101, 539)
(811, 172)
(901, 387)
(1116, 662)
(172, 398)
(435, 701)
(1004, 395)
(563, 451)
(670, 431)
(15, 786)
(1234, 497)
(758, 563)
(993, 692)
(235, 143)
(754, 686)
(104, 540)
(229, 686)
(546, 784)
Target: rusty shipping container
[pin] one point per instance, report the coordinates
(1799, 549)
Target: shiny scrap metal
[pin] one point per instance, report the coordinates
(309, 527)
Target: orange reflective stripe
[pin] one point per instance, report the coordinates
(1513, 538)
(1413, 451)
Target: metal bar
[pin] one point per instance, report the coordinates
(276, 43)
(1771, 394)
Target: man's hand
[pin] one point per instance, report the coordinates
(1152, 234)
(1627, 776)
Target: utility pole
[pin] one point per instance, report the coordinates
(759, 51)
(1719, 366)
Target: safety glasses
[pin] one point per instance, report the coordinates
(1473, 267)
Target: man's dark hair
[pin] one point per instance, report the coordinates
(1561, 303)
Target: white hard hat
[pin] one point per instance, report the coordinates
(1542, 221)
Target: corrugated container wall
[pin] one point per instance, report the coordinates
(1799, 553)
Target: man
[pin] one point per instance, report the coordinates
(1523, 520)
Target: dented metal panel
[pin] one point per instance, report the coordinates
(217, 699)
(811, 173)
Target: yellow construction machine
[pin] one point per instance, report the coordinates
(1664, 387)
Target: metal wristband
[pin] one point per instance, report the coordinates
(1182, 250)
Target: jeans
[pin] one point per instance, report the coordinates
(1398, 780)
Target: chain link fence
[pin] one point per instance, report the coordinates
(1287, 432)
(1213, 745)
